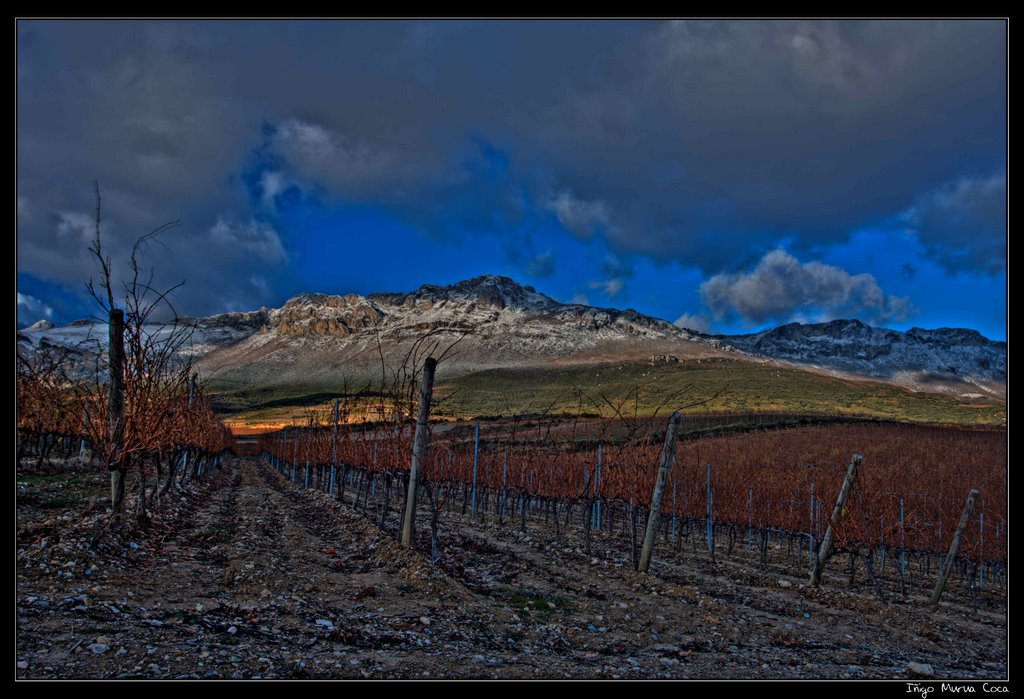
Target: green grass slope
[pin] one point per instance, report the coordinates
(639, 388)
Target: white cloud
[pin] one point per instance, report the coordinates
(76, 228)
(780, 287)
(254, 237)
(609, 287)
(31, 309)
(584, 218)
(336, 159)
(694, 321)
(260, 284)
(272, 183)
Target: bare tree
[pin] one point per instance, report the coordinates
(152, 368)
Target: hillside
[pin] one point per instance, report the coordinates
(508, 347)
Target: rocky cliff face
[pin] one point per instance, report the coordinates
(311, 315)
(856, 347)
(239, 321)
(496, 311)
(490, 292)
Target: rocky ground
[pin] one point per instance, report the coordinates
(246, 576)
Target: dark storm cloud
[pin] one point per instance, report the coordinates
(341, 162)
(963, 225)
(780, 287)
(720, 134)
(140, 107)
(702, 142)
(253, 238)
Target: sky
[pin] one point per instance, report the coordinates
(725, 175)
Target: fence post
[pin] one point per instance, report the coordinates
(668, 453)
(981, 551)
(837, 514)
(954, 547)
(334, 449)
(116, 411)
(707, 514)
(419, 450)
(191, 397)
(599, 487)
(903, 543)
(675, 510)
(504, 486)
(750, 517)
(476, 461)
(810, 533)
(85, 431)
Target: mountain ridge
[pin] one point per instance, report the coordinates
(501, 322)
(855, 346)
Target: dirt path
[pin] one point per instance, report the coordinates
(259, 579)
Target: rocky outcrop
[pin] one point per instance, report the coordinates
(251, 321)
(854, 346)
(488, 291)
(311, 315)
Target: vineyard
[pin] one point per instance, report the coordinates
(134, 407)
(766, 496)
(163, 429)
(534, 535)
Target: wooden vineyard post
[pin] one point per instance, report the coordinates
(85, 431)
(504, 487)
(954, 547)
(903, 553)
(675, 509)
(981, 551)
(334, 449)
(709, 526)
(750, 517)
(476, 462)
(116, 411)
(825, 549)
(295, 456)
(191, 397)
(668, 453)
(810, 533)
(419, 450)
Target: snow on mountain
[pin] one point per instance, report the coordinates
(855, 347)
(506, 316)
(500, 322)
(91, 336)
